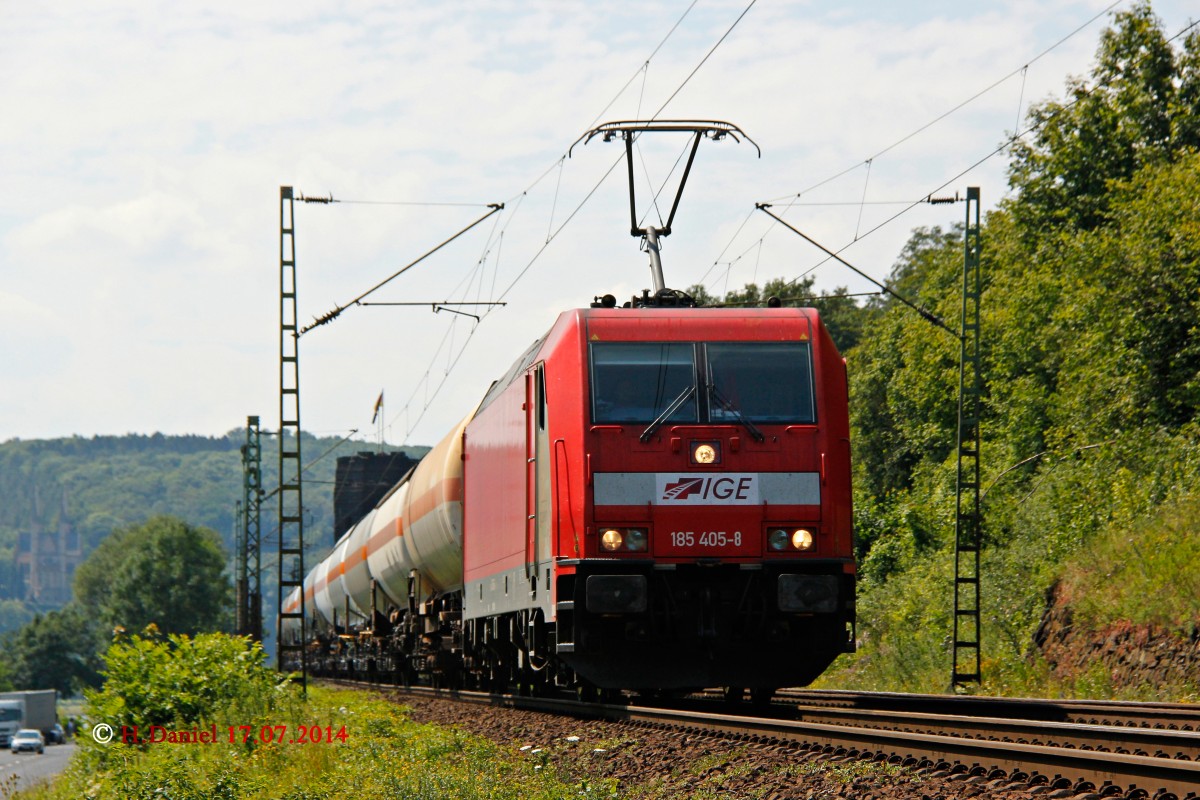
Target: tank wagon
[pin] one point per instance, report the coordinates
(650, 499)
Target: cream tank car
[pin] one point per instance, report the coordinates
(414, 532)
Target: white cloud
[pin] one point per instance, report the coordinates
(143, 148)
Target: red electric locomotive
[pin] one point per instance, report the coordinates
(659, 498)
(654, 497)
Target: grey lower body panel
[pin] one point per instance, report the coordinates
(510, 591)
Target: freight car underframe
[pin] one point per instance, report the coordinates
(624, 624)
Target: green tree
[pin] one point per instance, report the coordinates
(1185, 115)
(1091, 324)
(58, 650)
(842, 316)
(164, 572)
(1106, 131)
(13, 614)
(904, 376)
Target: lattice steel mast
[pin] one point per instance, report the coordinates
(291, 497)
(968, 528)
(250, 621)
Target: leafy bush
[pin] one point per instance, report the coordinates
(183, 681)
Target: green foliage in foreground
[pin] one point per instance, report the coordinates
(215, 679)
(385, 755)
(181, 681)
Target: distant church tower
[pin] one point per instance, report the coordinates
(46, 558)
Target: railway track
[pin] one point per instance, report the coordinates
(1000, 745)
(1170, 716)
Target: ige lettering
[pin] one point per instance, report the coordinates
(723, 489)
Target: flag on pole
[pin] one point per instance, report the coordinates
(378, 406)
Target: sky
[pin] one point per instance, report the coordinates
(143, 147)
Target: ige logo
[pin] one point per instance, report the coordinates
(725, 489)
(681, 490)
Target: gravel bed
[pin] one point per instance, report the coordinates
(637, 761)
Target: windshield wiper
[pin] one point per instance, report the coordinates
(730, 408)
(665, 415)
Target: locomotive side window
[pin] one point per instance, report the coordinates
(765, 382)
(638, 381)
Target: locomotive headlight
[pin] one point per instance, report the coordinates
(636, 540)
(611, 540)
(802, 539)
(706, 452)
(778, 539)
(781, 539)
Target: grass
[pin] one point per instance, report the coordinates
(385, 755)
(1148, 575)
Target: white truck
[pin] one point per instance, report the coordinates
(36, 708)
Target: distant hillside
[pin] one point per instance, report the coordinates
(63, 496)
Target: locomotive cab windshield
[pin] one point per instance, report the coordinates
(716, 383)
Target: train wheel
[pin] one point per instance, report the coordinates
(733, 695)
(760, 697)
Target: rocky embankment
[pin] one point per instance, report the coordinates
(1131, 660)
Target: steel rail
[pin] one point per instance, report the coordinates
(1172, 744)
(1182, 716)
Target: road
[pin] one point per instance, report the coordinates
(30, 768)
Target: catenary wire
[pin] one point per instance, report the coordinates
(956, 108)
(1017, 135)
(429, 399)
(1022, 69)
(1081, 93)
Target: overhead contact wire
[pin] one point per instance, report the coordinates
(909, 205)
(961, 105)
(586, 199)
(703, 60)
(836, 254)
